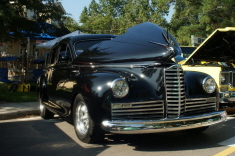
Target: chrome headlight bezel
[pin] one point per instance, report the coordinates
(120, 88)
(209, 84)
(227, 78)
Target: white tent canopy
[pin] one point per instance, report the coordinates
(49, 44)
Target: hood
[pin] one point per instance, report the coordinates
(218, 47)
(143, 42)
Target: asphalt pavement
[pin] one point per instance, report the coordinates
(18, 110)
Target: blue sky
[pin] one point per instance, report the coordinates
(75, 7)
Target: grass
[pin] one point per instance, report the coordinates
(17, 96)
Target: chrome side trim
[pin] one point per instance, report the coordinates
(164, 125)
(91, 65)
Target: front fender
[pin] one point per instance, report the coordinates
(95, 85)
(96, 91)
(194, 88)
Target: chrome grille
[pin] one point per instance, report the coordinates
(200, 106)
(149, 110)
(175, 91)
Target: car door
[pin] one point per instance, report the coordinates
(51, 71)
(63, 75)
(60, 94)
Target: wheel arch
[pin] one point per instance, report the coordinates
(93, 97)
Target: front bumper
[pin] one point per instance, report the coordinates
(164, 125)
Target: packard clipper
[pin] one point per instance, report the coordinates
(127, 84)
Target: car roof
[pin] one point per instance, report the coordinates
(84, 37)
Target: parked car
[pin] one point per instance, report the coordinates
(216, 57)
(127, 84)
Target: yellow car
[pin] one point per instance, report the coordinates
(216, 57)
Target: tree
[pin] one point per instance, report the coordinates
(70, 23)
(13, 18)
(200, 18)
(218, 14)
(145, 11)
(191, 17)
(115, 16)
(185, 21)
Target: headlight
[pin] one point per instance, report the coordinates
(120, 88)
(209, 84)
(225, 78)
(222, 78)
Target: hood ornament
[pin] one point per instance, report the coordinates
(167, 39)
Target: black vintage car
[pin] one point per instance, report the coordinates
(127, 84)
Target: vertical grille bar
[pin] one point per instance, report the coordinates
(175, 91)
(233, 79)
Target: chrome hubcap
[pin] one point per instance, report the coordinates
(82, 119)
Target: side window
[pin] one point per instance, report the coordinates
(64, 53)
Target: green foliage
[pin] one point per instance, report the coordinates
(18, 96)
(115, 16)
(70, 23)
(13, 17)
(200, 18)
(190, 17)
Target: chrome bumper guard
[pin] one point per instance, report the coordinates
(164, 125)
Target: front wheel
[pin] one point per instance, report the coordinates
(86, 129)
(43, 111)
